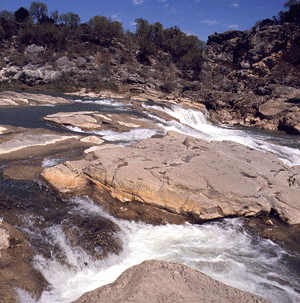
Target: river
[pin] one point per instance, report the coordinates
(224, 250)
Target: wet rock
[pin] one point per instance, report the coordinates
(16, 270)
(96, 235)
(193, 178)
(165, 282)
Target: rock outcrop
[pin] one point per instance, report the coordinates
(189, 177)
(252, 77)
(165, 282)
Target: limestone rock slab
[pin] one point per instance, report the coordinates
(166, 282)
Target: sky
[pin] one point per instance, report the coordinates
(198, 17)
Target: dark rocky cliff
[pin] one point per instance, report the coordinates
(252, 77)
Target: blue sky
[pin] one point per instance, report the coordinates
(199, 17)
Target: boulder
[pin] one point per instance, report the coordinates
(273, 108)
(76, 119)
(166, 282)
(65, 178)
(193, 178)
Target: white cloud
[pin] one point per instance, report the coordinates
(209, 22)
(233, 26)
(137, 2)
(115, 17)
(235, 4)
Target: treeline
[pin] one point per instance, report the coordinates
(62, 31)
(292, 15)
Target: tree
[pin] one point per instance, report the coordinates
(38, 11)
(70, 19)
(21, 15)
(104, 30)
(55, 16)
(7, 15)
(290, 3)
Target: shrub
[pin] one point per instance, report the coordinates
(21, 15)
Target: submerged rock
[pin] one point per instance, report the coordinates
(191, 178)
(165, 282)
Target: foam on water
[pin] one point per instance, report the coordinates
(49, 162)
(106, 102)
(194, 123)
(132, 135)
(224, 251)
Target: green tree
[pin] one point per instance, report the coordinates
(2, 33)
(145, 39)
(70, 19)
(103, 30)
(55, 16)
(21, 15)
(38, 11)
(290, 3)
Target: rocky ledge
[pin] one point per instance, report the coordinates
(165, 282)
(183, 178)
(10, 98)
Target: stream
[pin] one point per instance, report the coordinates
(224, 250)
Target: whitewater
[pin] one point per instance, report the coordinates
(225, 250)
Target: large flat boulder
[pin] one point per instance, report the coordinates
(165, 282)
(196, 179)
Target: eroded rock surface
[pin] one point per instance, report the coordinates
(192, 178)
(10, 98)
(165, 282)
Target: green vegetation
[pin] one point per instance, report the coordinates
(292, 15)
(62, 32)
